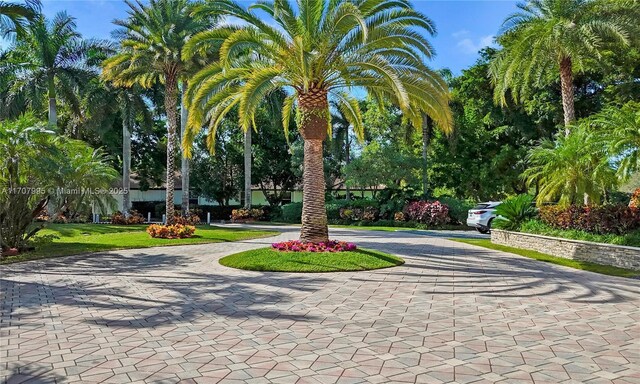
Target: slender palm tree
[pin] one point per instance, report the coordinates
(317, 50)
(51, 58)
(14, 17)
(550, 37)
(341, 144)
(428, 131)
(152, 38)
(102, 105)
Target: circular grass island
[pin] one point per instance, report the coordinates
(272, 260)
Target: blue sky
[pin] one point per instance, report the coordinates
(464, 26)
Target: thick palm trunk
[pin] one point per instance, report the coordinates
(314, 109)
(170, 105)
(185, 169)
(51, 90)
(126, 164)
(247, 169)
(314, 215)
(566, 84)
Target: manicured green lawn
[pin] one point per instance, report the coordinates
(268, 259)
(83, 238)
(586, 266)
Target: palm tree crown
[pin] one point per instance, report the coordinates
(317, 50)
(571, 168)
(14, 17)
(550, 37)
(52, 58)
(152, 39)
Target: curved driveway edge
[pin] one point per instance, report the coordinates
(452, 313)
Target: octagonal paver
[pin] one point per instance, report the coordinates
(452, 313)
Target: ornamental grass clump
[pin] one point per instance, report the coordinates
(176, 231)
(328, 246)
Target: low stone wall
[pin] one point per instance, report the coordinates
(607, 254)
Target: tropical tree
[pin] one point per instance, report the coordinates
(317, 50)
(570, 168)
(152, 38)
(618, 129)
(52, 59)
(28, 158)
(14, 17)
(550, 37)
(341, 143)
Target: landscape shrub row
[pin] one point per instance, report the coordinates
(605, 219)
(398, 213)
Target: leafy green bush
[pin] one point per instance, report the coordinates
(458, 209)
(540, 228)
(514, 211)
(292, 213)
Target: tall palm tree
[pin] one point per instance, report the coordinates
(14, 17)
(317, 50)
(103, 105)
(152, 39)
(185, 167)
(428, 130)
(550, 37)
(340, 143)
(52, 58)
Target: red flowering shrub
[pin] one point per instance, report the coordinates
(605, 219)
(120, 219)
(176, 231)
(635, 199)
(247, 214)
(431, 213)
(329, 246)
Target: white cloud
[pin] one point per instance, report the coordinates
(460, 33)
(469, 46)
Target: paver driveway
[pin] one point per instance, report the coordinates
(452, 313)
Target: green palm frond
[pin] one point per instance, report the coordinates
(542, 33)
(325, 46)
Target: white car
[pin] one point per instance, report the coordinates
(482, 215)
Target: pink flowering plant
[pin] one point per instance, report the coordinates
(329, 246)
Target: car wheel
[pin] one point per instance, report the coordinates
(483, 230)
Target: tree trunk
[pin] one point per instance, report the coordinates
(126, 163)
(566, 83)
(427, 129)
(247, 169)
(185, 169)
(53, 113)
(347, 160)
(171, 105)
(314, 123)
(314, 215)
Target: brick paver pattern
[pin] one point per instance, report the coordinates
(452, 313)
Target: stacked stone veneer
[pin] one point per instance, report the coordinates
(607, 254)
